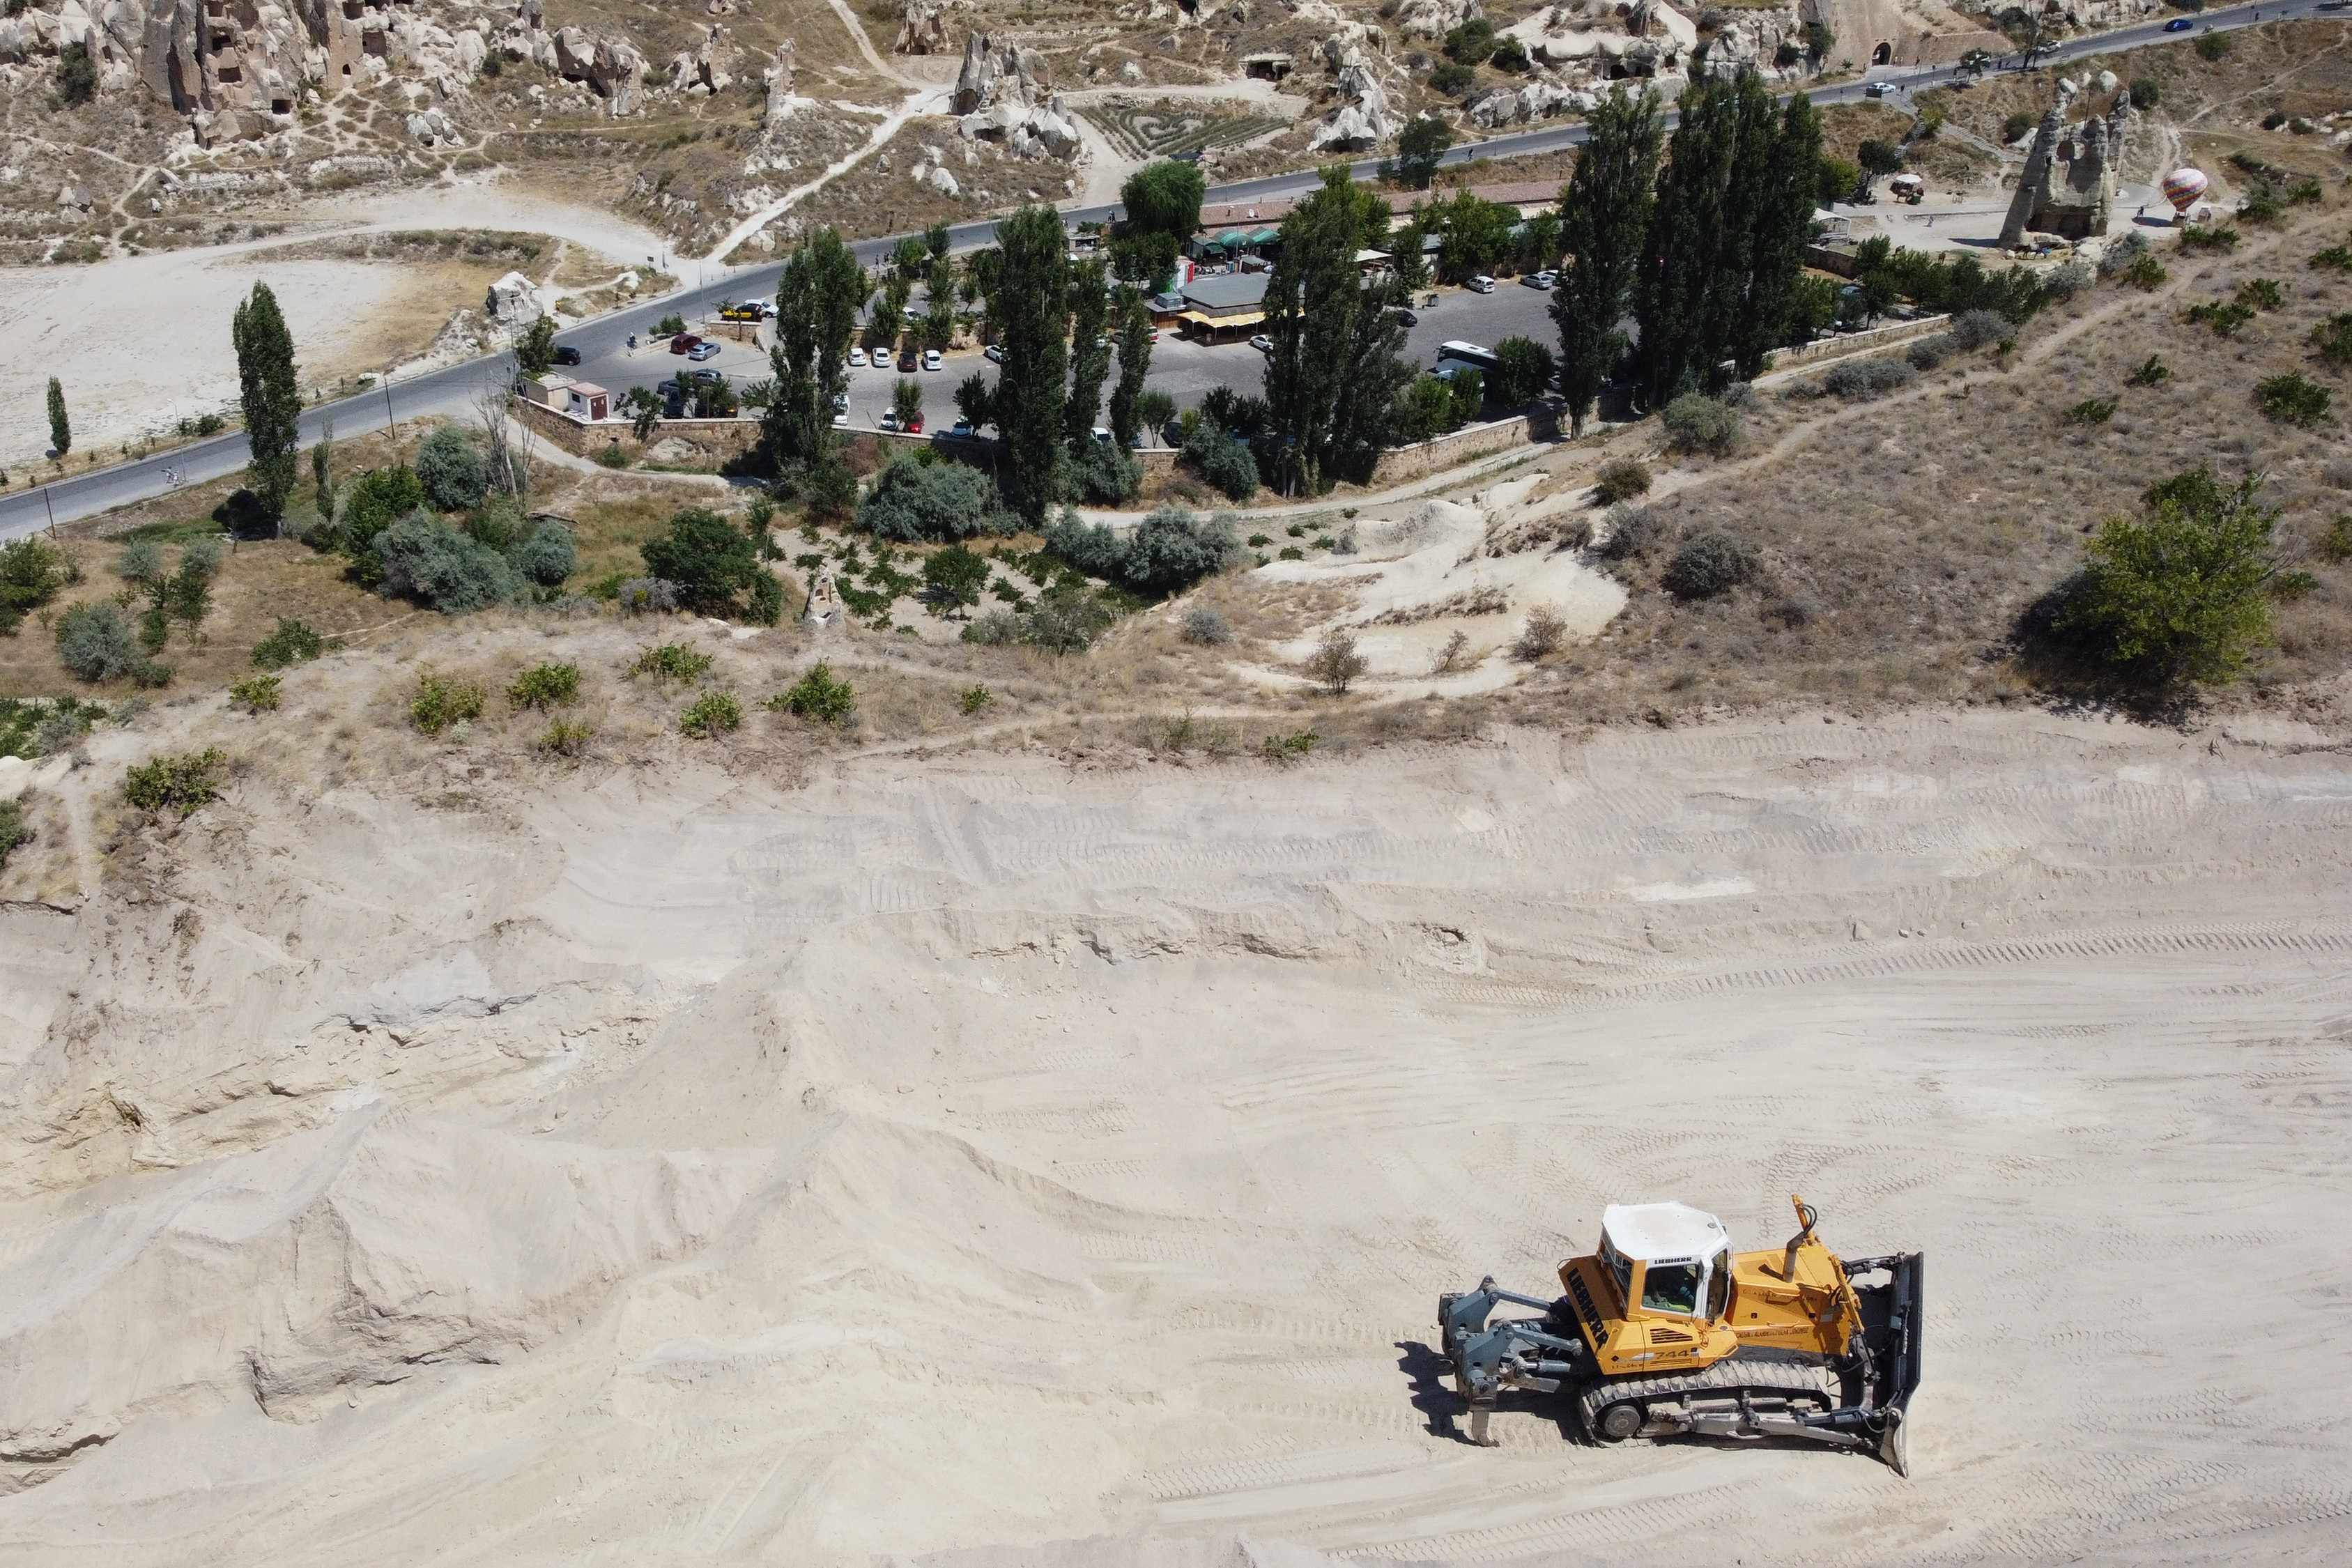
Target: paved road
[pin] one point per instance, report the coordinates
(603, 342)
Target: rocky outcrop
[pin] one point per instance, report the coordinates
(780, 87)
(1435, 18)
(612, 68)
(706, 70)
(1005, 93)
(1642, 38)
(1364, 118)
(1541, 98)
(922, 29)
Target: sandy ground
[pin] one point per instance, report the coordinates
(973, 1154)
(142, 342)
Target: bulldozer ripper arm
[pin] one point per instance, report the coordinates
(1487, 1358)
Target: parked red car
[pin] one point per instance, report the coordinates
(683, 342)
(915, 425)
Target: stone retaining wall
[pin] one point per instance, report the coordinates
(1822, 349)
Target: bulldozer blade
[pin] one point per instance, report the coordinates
(1895, 1447)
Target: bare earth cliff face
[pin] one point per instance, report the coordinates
(951, 1156)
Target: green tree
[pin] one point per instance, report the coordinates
(1148, 258)
(1523, 371)
(322, 467)
(1538, 243)
(1476, 233)
(1879, 157)
(1028, 304)
(2184, 592)
(1722, 234)
(271, 396)
(1090, 352)
(1334, 369)
(1470, 43)
(954, 577)
(644, 408)
(976, 401)
(535, 351)
(1164, 198)
(936, 241)
(817, 315)
(1134, 365)
(1407, 257)
(906, 401)
(910, 257)
(77, 76)
(60, 427)
(1421, 147)
(1604, 213)
(1776, 308)
(712, 561)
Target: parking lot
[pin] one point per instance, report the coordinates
(1180, 367)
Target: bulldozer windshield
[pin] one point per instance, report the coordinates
(1673, 1287)
(1718, 1285)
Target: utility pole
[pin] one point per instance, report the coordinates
(52, 510)
(390, 417)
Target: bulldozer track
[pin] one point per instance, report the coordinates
(1730, 1376)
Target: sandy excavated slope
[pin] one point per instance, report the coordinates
(961, 1154)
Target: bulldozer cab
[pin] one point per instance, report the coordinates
(1668, 1258)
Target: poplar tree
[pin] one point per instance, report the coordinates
(1334, 369)
(817, 315)
(1686, 225)
(1784, 227)
(1029, 289)
(1604, 216)
(1134, 365)
(271, 399)
(1090, 353)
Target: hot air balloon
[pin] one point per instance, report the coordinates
(2184, 188)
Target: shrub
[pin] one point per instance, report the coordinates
(1698, 424)
(14, 830)
(2223, 316)
(671, 662)
(2017, 125)
(1450, 77)
(258, 693)
(2335, 258)
(2183, 593)
(566, 740)
(711, 561)
(1977, 328)
(32, 573)
(1633, 533)
(183, 784)
(974, 698)
(1232, 467)
(1620, 480)
(2144, 272)
(818, 697)
(2208, 237)
(2333, 337)
(142, 562)
(441, 702)
(426, 558)
(548, 555)
(1471, 43)
(1539, 638)
(647, 596)
(915, 503)
(2335, 544)
(1066, 618)
(1924, 355)
(2122, 253)
(2214, 46)
(1869, 376)
(2293, 399)
(450, 467)
(2062, 283)
(96, 642)
(611, 457)
(1280, 749)
(1105, 473)
(2092, 411)
(1707, 565)
(1171, 549)
(2147, 93)
(711, 715)
(670, 326)
(61, 727)
(374, 503)
(545, 685)
(1205, 625)
(1334, 663)
(292, 643)
(953, 578)
(2149, 371)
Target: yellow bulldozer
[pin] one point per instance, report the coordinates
(1663, 1330)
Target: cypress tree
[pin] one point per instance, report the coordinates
(60, 427)
(1028, 304)
(271, 399)
(1672, 302)
(1604, 222)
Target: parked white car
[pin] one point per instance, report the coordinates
(1481, 284)
(931, 360)
(857, 359)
